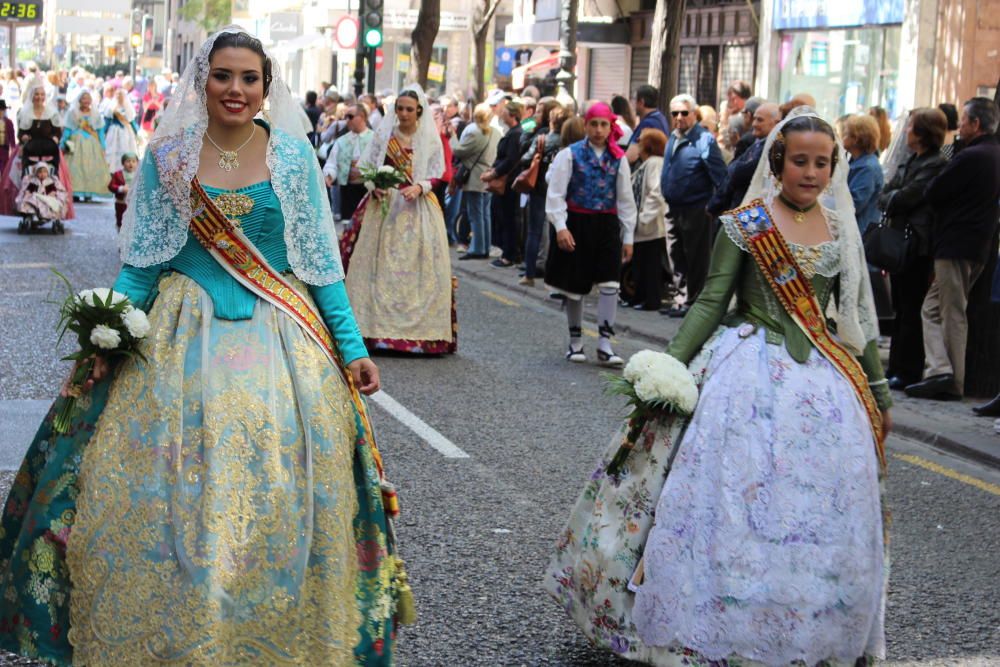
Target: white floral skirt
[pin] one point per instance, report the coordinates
(767, 543)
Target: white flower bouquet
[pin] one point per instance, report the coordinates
(382, 178)
(656, 385)
(69, 147)
(106, 324)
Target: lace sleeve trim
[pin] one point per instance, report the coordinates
(731, 225)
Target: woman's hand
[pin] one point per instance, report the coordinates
(487, 175)
(378, 193)
(886, 422)
(365, 374)
(101, 370)
(626, 253)
(329, 181)
(411, 192)
(565, 240)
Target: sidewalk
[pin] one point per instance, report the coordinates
(948, 425)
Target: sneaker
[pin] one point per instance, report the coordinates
(576, 356)
(526, 281)
(609, 359)
(462, 247)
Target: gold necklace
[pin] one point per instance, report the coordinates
(798, 212)
(229, 160)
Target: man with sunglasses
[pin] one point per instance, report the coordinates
(692, 170)
(341, 168)
(646, 98)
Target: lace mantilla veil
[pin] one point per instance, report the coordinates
(428, 154)
(857, 320)
(155, 225)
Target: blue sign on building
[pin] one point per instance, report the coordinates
(807, 14)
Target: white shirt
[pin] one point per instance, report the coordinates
(558, 178)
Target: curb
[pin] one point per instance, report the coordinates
(925, 436)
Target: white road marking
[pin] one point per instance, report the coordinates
(418, 426)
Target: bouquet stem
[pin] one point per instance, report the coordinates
(67, 409)
(635, 426)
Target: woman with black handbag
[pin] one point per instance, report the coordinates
(475, 152)
(902, 202)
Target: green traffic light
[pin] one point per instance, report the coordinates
(373, 38)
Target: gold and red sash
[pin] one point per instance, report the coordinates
(400, 158)
(243, 261)
(774, 258)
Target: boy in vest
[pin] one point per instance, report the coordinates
(591, 206)
(121, 182)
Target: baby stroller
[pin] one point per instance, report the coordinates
(41, 200)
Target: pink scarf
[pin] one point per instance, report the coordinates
(602, 110)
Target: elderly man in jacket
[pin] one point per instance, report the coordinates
(966, 198)
(740, 171)
(692, 170)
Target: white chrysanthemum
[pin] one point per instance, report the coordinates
(136, 322)
(99, 295)
(387, 169)
(369, 185)
(659, 378)
(105, 337)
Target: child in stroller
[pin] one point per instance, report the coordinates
(41, 200)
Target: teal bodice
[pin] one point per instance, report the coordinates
(265, 227)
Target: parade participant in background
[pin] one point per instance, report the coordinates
(476, 152)
(342, 164)
(9, 137)
(398, 270)
(591, 206)
(692, 170)
(965, 196)
(84, 132)
(240, 520)
(41, 194)
(905, 205)
(121, 183)
(650, 229)
(768, 538)
(152, 105)
(865, 177)
(119, 136)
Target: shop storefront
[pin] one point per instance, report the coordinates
(845, 53)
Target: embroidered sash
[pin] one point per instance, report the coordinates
(399, 157)
(795, 292)
(241, 259)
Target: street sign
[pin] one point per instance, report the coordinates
(346, 32)
(26, 11)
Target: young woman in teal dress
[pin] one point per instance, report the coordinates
(83, 126)
(752, 533)
(220, 503)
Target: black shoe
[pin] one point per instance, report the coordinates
(676, 311)
(991, 409)
(938, 387)
(471, 255)
(896, 382)
(501, 263)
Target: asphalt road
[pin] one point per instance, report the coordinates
(477, 531)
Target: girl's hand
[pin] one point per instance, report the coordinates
(378, 193)
(411, 192)
(101, 370)
(565, 240)
(365, 374)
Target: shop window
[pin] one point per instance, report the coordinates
(708, 75)
(687, 80)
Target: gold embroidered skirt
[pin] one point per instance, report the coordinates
(215, 514)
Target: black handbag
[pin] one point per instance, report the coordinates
(462, 174)
(888, 248)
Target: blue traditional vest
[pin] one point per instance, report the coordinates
(593, 187)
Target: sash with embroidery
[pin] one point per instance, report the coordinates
(774, 258)
(241, 259)
(400, 158)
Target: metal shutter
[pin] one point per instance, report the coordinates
(609, 70)
(640, 67)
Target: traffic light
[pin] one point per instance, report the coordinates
(371, 23)
(135, 39)
(147, 33)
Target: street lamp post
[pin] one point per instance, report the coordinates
(567, 50)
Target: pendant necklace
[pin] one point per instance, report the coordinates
(798, 212)
(229, 160)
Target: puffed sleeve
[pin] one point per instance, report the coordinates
(138, 284)
(335, 308)
(558, 181)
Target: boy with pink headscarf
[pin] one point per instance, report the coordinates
(591, 207)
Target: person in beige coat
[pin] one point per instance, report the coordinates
(650, 231)
(475, 152)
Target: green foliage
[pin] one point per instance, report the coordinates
(209, 14)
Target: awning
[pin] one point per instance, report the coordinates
(520, 74)
(300, 43)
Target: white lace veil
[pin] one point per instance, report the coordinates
(857, 321)
(428, 154)
(155, 225)
(25, 115)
